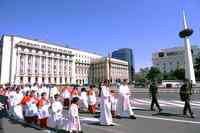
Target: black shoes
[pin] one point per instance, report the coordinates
(118, 117)
(160, 110)
(192, 115)
(152, 109)
(132, 117)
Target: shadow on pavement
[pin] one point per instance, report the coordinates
(142, 110)
(167, 114)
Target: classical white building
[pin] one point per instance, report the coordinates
(108, 68)
(26, 60)
(170, 59)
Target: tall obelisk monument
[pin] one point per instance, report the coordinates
(189, 67)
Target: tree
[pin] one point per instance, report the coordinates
(140, 77)
(141, 74)
(179, 74)
(154, 73)
(168, 76)
(197, 67)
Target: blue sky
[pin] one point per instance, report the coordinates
(103, 25)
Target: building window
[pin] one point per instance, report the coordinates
(21, 79)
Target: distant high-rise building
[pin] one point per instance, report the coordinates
(126, 54)
(170, 59)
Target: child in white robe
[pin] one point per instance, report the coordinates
(66, 95)
(91, 100)
(73, 123)
(43, 110)
(56, 118)
(113, 103)
(16, 108)
(84, 100)
(31, 110)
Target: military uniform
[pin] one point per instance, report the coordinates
(153, 92)
(185, 94)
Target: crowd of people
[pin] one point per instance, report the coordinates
(47, 106)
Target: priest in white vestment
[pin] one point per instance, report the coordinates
(105, 106)
(124, 108)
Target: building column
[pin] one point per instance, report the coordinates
(107, 69)
(40, 63)
(73, 73)
(40, 68)
(58, 71)
(18, 63)
(68, 75)
(33, 67)
(52, 68)
(46, 69)
(26, 63)
(63, 72)
(25, 78)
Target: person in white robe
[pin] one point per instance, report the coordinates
(45, 89)
(42, 89)
(84, 100)
(66, 95)
(43, 110)
(91, 99)
(11, 101)
(31, 110)
(34, 88)
(73, 123)
(113, 103)
(15, 107)
(25, 89)
(53, 91)
(105, 106)
(56, 117)
(124, 108)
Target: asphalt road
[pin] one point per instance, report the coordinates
(169, 120)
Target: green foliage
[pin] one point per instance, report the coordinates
(179, 74)
(154, 74)
(140, 76)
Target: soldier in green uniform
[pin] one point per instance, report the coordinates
(185, 95)
(153, 89)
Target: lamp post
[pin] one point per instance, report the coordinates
(189, 67)
(109, 67)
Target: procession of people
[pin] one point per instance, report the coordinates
(47, 106)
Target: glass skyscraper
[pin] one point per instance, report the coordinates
(126, 54)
